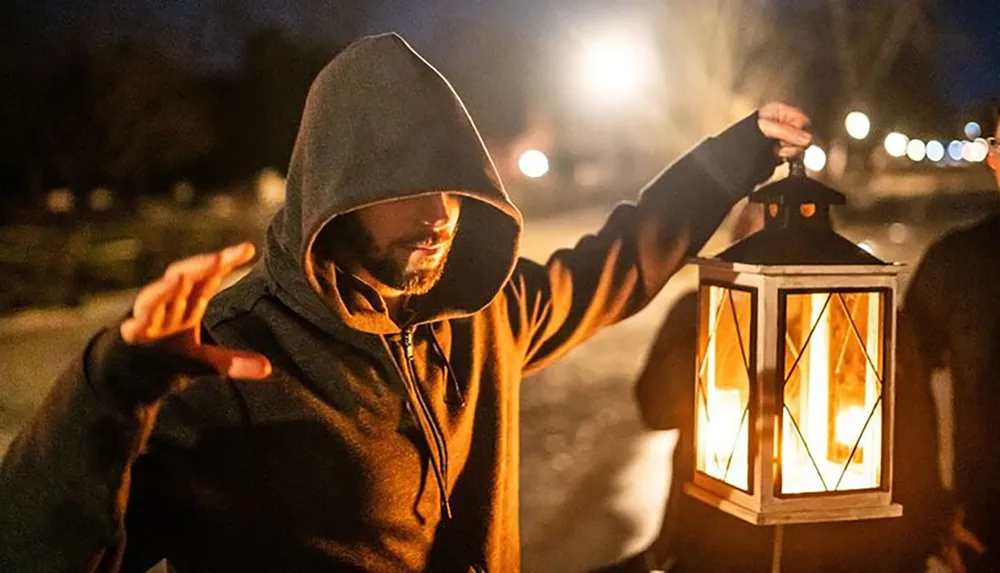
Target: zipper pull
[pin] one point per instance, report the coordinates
(406, 338)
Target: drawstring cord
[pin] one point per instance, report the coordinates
(447, 367)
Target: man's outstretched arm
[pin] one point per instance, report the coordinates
(615, 272)
(64, 482)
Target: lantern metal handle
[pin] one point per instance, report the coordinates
(797, 166)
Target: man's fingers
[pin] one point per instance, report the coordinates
(238, 255)
(178, 300)
(148, 310)
(784, 113)
(176, 307)
(133, 330)
(790, 151)
(152, 295)
(784, 132)
(202, 266)
(233, 363)
(199, 297)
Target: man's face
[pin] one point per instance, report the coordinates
(403, 244)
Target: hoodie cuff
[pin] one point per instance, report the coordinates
(739, 158)
(125, 376)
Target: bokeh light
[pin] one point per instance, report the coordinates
(858, 125)
(814, 158)
(978, 150)
(533, 163)
(614, 67)
(935, 150)
(955, 150)
(916, 150)
(973, 130)
(895, 144)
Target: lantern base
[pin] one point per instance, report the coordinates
(778, 516)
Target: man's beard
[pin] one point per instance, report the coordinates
(347, 231)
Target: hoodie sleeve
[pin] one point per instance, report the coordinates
(64, 482)
(614, 273)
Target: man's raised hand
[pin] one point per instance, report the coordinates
(167, 314)
(787, 126)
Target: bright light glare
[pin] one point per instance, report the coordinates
(955, 150)
(978, 150)
(973, 130)
(967, 151)
(858, 125)
(533, 163)
(814, 158)
(849, 424)
(916, 150)
(895, 144)
(935, 150)
(865, 246)
(271, 187)
(614, 67)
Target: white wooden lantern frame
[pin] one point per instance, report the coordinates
(772, 431)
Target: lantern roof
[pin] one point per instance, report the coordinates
(797, 228)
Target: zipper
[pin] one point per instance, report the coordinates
(440, 462)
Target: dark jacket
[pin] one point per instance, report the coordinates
(952, 320)
(350, 456)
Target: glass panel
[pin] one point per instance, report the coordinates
(832, 420)
(723, 386)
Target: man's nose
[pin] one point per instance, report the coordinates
(434, 210)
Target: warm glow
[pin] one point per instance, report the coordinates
(533, 163)
(895, 144)
(916, 150)
(858, 125)
(615, 67)
(814, 158)
(979, 150)
(830, 394)
(849, 423)
(270, 188)
(724, 387)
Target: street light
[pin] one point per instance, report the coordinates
(916, 150)
(979, 150)
(858, 125)
(533, 163)
(814, 158)
(895, 144)
(955, 150)
(614, 68)
(935, 150)
(973, 130)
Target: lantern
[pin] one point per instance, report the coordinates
(794, 384)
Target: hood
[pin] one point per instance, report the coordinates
(380, 124)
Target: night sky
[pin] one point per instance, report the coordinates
(978, 74)
(209, 32)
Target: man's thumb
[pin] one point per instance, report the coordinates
(233, 363)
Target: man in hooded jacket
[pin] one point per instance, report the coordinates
(352, 403)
